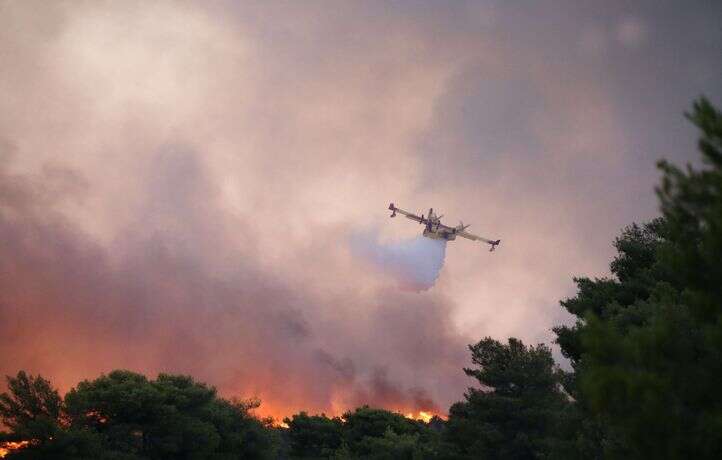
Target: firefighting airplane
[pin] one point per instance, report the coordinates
(436, 230)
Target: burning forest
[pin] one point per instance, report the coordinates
(196, 258)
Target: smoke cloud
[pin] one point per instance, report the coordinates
(201, 187)
(177, 293)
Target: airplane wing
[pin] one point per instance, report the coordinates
(408, 215)
(473, 237)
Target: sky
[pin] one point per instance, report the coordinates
(202, 187)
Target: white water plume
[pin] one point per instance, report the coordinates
(414, 263)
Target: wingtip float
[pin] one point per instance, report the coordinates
(434, 229)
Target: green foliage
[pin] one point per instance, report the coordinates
(370, 433)
(366, 433)
(171, 417)
(517, 412)
(34, 412)
(392, 446)
(370, 422)
(67, 444)
(315, 436)
(159, 419)
(32, 409)
(692, 205)
(123, 415)
(647, 345)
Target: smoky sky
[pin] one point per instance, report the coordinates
(183, 184)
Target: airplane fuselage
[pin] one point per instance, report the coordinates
(439, 233)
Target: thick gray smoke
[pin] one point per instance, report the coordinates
(414, 263)
(182, 291)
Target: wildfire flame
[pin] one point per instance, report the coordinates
(7, 447)
(421, 415)
(424, 416)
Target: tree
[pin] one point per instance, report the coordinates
(242, 434)
(32, 408)
(366, 430)
(170, 417)
(315, 436)
(394, 446)
(620, 300)
(34, 412)
(647, 344)
(516, 412)
(123, 415)
(67, 444)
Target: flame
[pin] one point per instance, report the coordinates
(7, 447)
(421, 415)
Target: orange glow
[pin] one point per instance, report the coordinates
(279, 412)
(7, 447)
(421, 415)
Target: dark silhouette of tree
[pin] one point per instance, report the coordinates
(32, 408)
(170, 417)
(123, 415)
(623, 301)
(371, 422)
(380, 434)
(34, 412)
(647, 345)
(366, 432)
(315, 436)
(516, 412)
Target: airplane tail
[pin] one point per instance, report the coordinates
(393, 209)
(494, 244)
